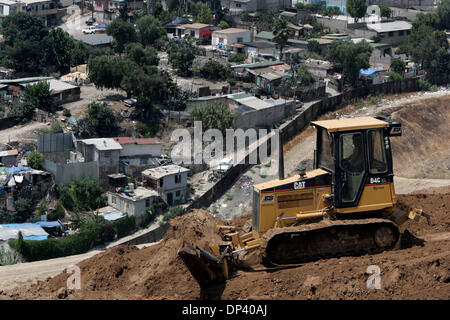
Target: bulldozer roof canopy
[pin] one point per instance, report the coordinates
(347, 124)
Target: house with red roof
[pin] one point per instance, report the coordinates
(138, 153)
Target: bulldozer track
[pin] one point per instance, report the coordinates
(290, 246)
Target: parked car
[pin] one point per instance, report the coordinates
(90, 30)
(130, 102)
(90, 21)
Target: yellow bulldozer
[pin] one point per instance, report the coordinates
(345, 206)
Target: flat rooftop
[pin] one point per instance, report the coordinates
(231, 30)
(389, 26)
(139, 193)
(159, 172)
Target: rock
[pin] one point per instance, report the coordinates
(62, 293)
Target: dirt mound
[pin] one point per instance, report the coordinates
(420, 271)
(422, 150)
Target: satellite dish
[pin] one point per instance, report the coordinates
(373, 9)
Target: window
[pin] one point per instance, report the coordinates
(377, 154)
(161, 182)
(391, 34)
(107, 154)
(401, 33)
(178, 178)
(192, 33)
(177, 194)
(381, 35)
(352, 165)
(238, 5)
(240, 40)
(147, 203)
(325, 150)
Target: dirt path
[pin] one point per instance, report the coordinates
(27, 132)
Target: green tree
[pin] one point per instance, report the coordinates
(106, 72)
(281, 33)
(142, 56)
(99, 121)
(123, 32)
(264, 21)
(214, 70)
(356, 8)
(443, 13)
(35, 160)
(83, 194)
(24, 209)
(314, 46)
(149, 30)
(80, 53)
(213, 115)
(385, 11)
(59, 49)
(23, 38)
(57, 213)
(237, 57)
(398, 65)
(38, 96)
(223, 25)
(394, 76)
(351, 57)
(182, 55)
(41, 209)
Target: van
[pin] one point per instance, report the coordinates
(224, 165)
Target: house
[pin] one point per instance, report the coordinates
(319, 68)
(62, 159)
(104, 151)
(192, 29)
(241, 6)
(96, 40)
(8, 7)
(260, 49)
(61, 91)
(403, 3)
(175, 22)
(138, 154)
(232, 38)
(170, 181)
(133, 201)
(45, 9)
(8, 157)
(393, 33)
(250, 111)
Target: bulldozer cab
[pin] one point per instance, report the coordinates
(357, 153)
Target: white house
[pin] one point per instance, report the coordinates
(192, 29)
(170, 181)
(137, 151)
(231, 36)
(134, 202)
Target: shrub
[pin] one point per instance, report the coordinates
(229, 196)
(173, 212)
(236, 57)
(35, 160)
(57, 213)
(108, 233)
(424, 85)
(394, 76)
(83, 195)
(214, 70)
(41, 209)
(81, 242)
(124, 226)
(66, 113)
(8, 257)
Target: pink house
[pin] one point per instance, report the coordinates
(101, 5)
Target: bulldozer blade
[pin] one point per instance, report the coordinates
(204, 267)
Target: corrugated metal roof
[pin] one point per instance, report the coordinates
(265, 35)
(258, 65)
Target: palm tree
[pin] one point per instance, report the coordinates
(281, 32)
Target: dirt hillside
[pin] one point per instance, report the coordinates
(415, 270)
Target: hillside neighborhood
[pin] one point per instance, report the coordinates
(92, 94)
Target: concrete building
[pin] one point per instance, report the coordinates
(403, 3)
(138, 154)
(8, 7)
(393, 33)
(194, 30)
(45, 9)
(240, 6)
(170, 181)
(62, 159)
(133, 202)
(231, 36)
(104, 151)
(260, 50)
(318, 68)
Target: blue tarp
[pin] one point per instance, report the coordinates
(35, 238)
(370, 72)
(18, 169)
(101, 26)
(49, 224)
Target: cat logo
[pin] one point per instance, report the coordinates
(299, 185)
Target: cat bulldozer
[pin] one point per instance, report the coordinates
(345, 206)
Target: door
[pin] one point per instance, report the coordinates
(170, 198)
(351, 169)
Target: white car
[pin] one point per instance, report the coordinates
(224, 165)
(90, 30)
